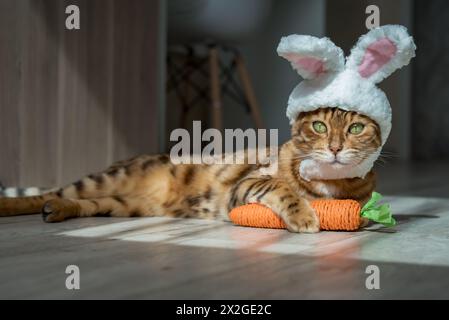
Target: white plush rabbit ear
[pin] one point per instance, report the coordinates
(311, 57)
(381, 51)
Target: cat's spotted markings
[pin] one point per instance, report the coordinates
(153, 186)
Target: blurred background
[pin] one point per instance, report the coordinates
(73, 101)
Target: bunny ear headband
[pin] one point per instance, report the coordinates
(330, 82)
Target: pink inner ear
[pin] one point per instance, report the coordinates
(311, 65)
(376, 56)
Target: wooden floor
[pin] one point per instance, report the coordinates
(174, 258)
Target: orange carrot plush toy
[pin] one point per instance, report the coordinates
(333, 214)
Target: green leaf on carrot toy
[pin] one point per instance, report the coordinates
(378, 213)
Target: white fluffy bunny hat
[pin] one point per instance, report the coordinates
(330, 82)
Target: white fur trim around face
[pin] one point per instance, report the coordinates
(313, 170)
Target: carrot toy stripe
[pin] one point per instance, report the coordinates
(333, 214)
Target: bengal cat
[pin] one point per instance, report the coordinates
(152, 186)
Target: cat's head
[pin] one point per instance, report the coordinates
(341, 144)
(335, 137)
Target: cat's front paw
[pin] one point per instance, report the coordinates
(303, 220)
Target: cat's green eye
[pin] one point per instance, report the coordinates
(356, 128)
(319, 127)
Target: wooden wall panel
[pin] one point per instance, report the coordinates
(134, 81)
(10, 74)
(73, 101)
(430, 115)
(38, 88)
(84, 86)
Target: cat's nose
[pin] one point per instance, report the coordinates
(335, 149)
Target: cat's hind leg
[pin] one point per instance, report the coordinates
(58, 210)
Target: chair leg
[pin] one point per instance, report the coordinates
(215, 85)
(249, 91)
